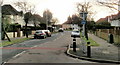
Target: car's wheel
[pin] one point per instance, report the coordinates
(38, 37)
(43, 37)
(35, 37)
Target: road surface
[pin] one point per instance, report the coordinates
(49, 50)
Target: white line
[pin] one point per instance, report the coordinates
(19, 54)
(35, 46)
(3, 63)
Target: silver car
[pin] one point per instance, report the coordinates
(75, 33)
(40, 34)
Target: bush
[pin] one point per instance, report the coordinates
(103, 27)
(13, 27)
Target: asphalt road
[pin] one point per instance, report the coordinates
(49, 50)
(9, 53)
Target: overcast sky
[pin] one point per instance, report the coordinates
(61, 9)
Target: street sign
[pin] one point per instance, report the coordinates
(83, 22)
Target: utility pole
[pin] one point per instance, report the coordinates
(83, 14)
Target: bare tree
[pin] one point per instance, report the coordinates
(26, 19)
(110, 4)
(86, 7)
(27, 10)
(47, 15)
(83, 7)
(25, 6)
(54, 21)
(1, 2)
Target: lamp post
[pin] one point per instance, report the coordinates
(84, 22)
(83, 14)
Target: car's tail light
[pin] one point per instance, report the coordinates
(42, 34)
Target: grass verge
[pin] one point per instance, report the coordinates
(6, 43)
(92, 42)
(68, 30)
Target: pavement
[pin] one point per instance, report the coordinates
(105, 53)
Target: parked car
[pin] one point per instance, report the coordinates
(61, 30)
(40, 34)
(48, 33)
(75, 33)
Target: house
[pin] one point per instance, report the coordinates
(12, 15)
(115, 23)
(75, 26)
(115, 20)
(72, 26)
(66, 26)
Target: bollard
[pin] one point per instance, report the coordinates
(74, 44)
(88, 50)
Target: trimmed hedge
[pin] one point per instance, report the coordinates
(13, 27)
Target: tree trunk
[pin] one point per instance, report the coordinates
(18, 32)
(6, 35)
(14, 31)
(35, 25)
(26, 32)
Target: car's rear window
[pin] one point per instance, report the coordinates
(76, 31)
(39, 32)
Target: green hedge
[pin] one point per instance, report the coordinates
(13, 27)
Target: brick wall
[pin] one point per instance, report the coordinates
(103, 33)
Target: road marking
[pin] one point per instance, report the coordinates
(3, 63)
(19, 54)
(34, 46)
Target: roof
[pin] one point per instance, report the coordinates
(102, 19)
(112, 17)
(9, 10)
(116, 16)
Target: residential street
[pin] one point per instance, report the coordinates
(59, 31)
(49, 50)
